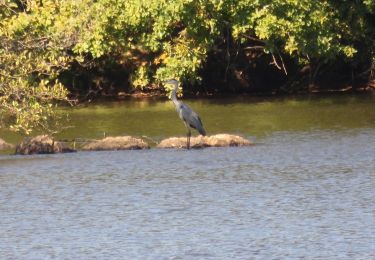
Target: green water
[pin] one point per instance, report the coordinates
(250, 117)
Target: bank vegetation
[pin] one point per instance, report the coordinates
(60, 51)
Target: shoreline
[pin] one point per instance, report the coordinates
(158, 95)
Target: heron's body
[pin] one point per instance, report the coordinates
(190, 118)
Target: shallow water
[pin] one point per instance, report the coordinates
(304, 190)
(250, 117)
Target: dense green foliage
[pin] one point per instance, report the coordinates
(48, 48)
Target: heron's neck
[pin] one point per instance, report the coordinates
(174, 95)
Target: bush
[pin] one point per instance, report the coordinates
(154, 40)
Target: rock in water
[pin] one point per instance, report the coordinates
(219, 140)
(179, 142)
(4, 145)
(116, 143)
(223, 140)
(41, 144)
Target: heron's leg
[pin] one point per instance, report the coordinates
(188, 138)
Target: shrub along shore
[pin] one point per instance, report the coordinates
(54, 52)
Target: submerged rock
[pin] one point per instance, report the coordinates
(219, 140)
(41, 144)
(4, 145)
(117, 143)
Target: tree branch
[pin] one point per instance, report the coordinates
(282, 67)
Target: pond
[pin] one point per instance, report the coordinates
(304, 190)
(249, 117)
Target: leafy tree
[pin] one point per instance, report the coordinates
(30, 58)
(41, 42)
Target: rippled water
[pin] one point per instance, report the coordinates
(292, 195)
(304, 190)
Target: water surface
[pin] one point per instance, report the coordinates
(305, 190)
(251, 117)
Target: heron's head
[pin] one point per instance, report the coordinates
(174, 89)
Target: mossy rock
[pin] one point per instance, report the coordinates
(41, 144)
(116, 143)
(219, 140)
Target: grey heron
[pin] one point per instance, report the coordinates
(190, 118)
